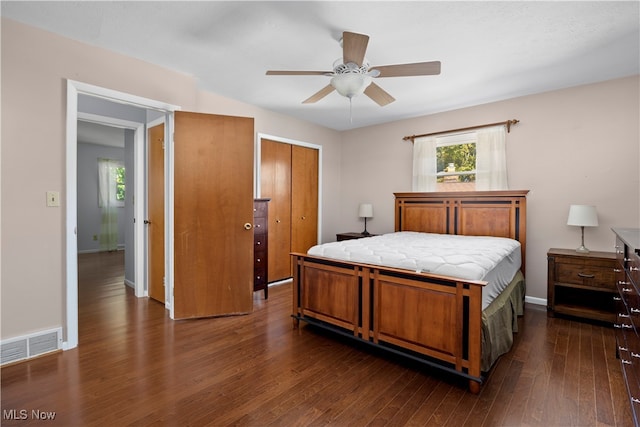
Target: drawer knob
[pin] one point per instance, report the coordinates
(633, 268)
(621, 282)
(635, 310)
(635, 355)
(586, 276)
(625, 316)
(635, 400)
(617, 270)
(626, 362)
(258, 243)
(622, 348)
(617, 299)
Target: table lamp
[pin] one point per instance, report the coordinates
(582, 216)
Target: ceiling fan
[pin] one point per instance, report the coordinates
(352, 75)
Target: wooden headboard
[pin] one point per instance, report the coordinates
(469, 213)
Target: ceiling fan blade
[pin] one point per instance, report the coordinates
(379, 95)
(354, 46)
(298, 73)
(405, 70)
(319, 95)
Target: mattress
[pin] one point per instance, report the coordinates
(495, 260)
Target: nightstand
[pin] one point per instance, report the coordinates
(581, 285)
(351, 235)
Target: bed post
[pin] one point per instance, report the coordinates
(296, 286)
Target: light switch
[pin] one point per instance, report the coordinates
(53, 198)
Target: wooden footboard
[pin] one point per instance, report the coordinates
(430, 318)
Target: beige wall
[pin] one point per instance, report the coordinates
(35, 66)
(572, 146)
(578, 145)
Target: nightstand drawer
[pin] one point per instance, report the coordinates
(579, 272)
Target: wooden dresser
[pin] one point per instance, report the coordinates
(260, 252)
(627, 324)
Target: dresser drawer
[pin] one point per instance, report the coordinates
(593, 273)
(259, 277)
(260, 210)
(259, 242)
(633, 268)
(260, 225)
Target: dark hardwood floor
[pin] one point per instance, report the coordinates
(135, 366)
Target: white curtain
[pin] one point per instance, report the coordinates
(424, 164)
(491, 158)
(108, 204)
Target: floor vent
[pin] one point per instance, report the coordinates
(29, 346)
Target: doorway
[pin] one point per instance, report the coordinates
(74, 90)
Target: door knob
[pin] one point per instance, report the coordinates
(146, 221)
(248, 226)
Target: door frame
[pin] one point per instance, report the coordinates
(74, 89)
(258, 165)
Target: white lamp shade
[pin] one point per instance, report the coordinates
(583, 216)
(365, 210)
(350, 84)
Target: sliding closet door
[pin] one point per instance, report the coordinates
(275, 183)
(213, 209)
(304, 198)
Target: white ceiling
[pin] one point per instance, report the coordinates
(489, 50)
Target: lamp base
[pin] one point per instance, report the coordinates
(365, 233)
(582, 249)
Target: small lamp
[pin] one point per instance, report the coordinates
(365, 211)
(582, 216)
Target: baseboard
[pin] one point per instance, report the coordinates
(536, 301)
(30, 346)
(129, 283)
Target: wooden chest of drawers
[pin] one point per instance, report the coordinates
(627, 324)
(260, 234)
(581, 285)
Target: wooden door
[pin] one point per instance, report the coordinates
(155, 205)
(304, 198)
(213, 209)
(275, 183)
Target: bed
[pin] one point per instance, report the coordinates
(434, 318)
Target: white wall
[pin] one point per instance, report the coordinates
(572, 146)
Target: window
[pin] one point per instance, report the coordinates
(111, 183)
(120, 186)
(468, 161)
(456, 162)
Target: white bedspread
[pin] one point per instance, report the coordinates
(492, 259)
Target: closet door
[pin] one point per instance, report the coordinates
(213, 215)
(304, 198)
(275, 183)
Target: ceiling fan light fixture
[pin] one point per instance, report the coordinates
(351, 84)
